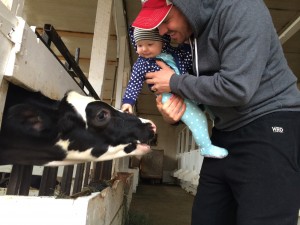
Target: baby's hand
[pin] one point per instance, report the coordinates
(127, 108)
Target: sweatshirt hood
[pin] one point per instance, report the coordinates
(198, 12)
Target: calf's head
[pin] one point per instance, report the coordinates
(76, 129)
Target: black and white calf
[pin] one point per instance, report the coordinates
(39, 131)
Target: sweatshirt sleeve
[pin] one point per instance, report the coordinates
(241, 40)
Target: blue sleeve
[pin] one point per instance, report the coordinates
(135, 84)
(137, 78)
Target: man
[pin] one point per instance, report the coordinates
(242, 77)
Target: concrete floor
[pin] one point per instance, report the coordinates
(161, 204)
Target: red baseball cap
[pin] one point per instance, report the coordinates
(152, 14)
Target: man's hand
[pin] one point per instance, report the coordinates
(172, 110)
(160, 79)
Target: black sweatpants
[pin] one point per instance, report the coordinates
(258, 183)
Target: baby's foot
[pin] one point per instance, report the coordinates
(214, 152)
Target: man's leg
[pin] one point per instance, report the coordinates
(213, 203)
(263, 169)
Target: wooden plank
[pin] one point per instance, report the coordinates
(100, 44)
(293, 5)
(281, 18)
(290, 30)
(149, 107)
(120, 73)
(36, 68)
(293, 45)
(123, 51)
(74, 15)
(8, 21)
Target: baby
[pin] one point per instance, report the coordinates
(150, 46)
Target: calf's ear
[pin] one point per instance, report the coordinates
(26, 118)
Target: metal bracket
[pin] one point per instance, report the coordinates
(8, 21)
(12, 27)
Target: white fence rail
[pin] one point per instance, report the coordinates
(189, 161)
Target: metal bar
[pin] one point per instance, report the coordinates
(78, 178)
(46, 39)
(47, 42)
(106, 170)
(77, 56)
(48, 182)
(14, 180)
(25, 180)
(49, 29)
(16, 176)
(66, 181)
(87, 174)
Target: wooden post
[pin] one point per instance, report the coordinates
(120, 73)
(100, 44)
(123, 49)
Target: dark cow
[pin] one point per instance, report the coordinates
(37, 130)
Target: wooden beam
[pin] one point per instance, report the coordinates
(292, 5)
(100, 44)
(122, 52)
(120, 73)
(291, 29)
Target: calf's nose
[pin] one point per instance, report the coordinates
(153, 126)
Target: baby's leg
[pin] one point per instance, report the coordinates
(196, 121)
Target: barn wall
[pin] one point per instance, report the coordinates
(167, 141)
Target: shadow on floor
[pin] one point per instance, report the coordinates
(160, 204)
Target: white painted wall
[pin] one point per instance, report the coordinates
(101, 208)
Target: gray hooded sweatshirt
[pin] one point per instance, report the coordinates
(243, 73)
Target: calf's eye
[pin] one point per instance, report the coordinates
(102, 115)
(102, 118)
